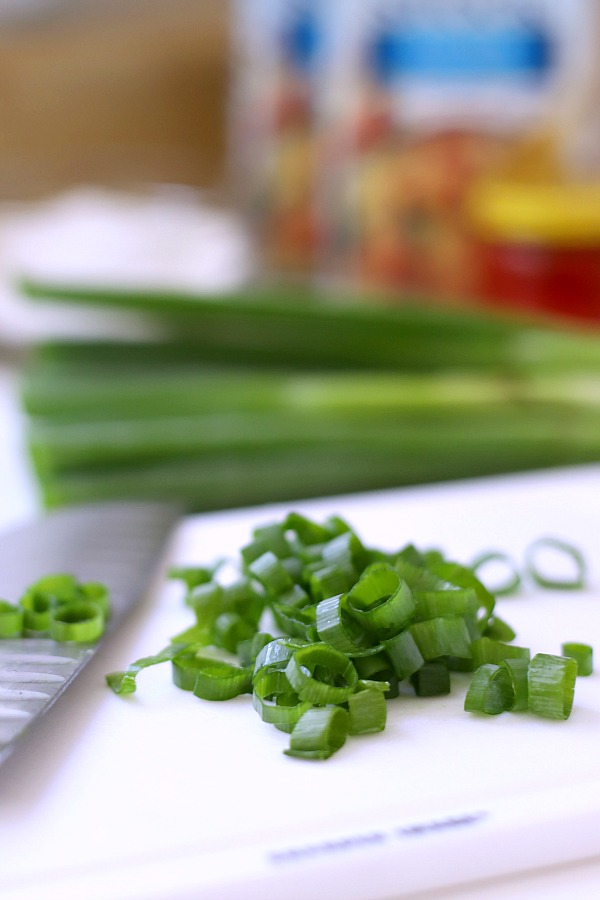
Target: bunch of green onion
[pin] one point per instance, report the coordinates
(322, 631)
(280, 395)
(59, 607)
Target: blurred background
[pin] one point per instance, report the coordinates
(257, 250)
(114, 92)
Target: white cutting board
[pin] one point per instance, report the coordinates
(162, 796)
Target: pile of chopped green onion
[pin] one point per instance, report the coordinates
(59, 607)
(322, 631)
(276, 395)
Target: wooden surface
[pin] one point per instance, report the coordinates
(116, 94)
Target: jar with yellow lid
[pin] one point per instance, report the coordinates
(539, 246)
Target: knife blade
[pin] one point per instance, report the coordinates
(118, 544)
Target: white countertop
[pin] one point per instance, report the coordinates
(165, 797)
(18, 496)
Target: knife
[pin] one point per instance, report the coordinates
(118, 544)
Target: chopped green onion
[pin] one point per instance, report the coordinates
(276, 654)
(511, 580)
(249, 649)
(307, 531)
(125, 682)
(404, 655)
(457, 575)
(229, 629)
(336, 627)
(499, 630)
(63, 586)
(59, 607)
(583, 654)
(431, 680)
(353, 626)
(319, 733)
(271, 573)
(321, 674)
(296, 622)
(345, 549)
(518, 667)
(184, 667)
(220, 680)
(488, 650)
(378, 668)
(193, 575)
(11, 619)
(564, 552)
(37, 607)
(381, 601)
(433, 603)
(443, 636)
(97, 593)
(81, 621)
(275, 700)
(336, 578)
(367, 710)
(490, 691)
(551, 684)
(267, 538)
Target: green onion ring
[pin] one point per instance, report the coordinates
(315, 671)
(562, 547)
(11, 619)
(220, 680)
(276, 702)
(582, 653)
(512, 579)
(490, 691)
(37, 608)
(381, 601)
(319, 733)
(518, 667)
(367, 709)
(81, 621)
(337, 628)
(551, 685)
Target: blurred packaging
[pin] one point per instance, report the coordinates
(428, 100)
(372, 139)
(538, 246)
(277, 74)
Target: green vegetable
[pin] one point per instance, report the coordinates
(319, 732)
(302, 328)
(82, 621)
(219, 680)
(367, 709)
(488, 650)
(321, 674)
(406, 617)
(11, 619)
(60, 607)
(276, 701)
(583, 655)
(490, 690)
(431, 680)
(518, 668)
(562, 549)
(512, 577)
(125, 682)
(283, 394)
(551, 685)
